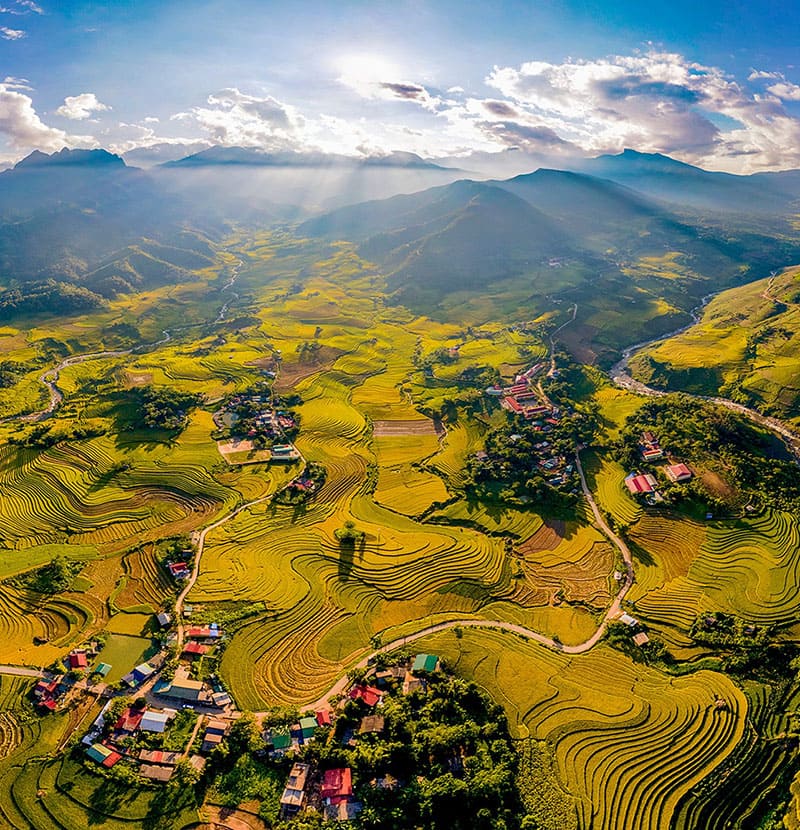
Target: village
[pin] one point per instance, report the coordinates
(645, 484)
(157, 726)
(257, 429)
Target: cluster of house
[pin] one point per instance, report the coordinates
(640, 638)
(331, 791)
(50, 691)
(522, 399)
(646, 484)
(152, 764)
(264, 422)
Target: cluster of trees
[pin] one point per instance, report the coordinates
(53, 578)
(749, 460)
(348, 534)
(165, 409)
(511, 470)
(48, 296)
(748, 650)
(305, 485)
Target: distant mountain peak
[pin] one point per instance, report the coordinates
(70, 158)
(256, 157)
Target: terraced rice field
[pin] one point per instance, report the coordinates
(569, 560)
(628, 741)
(748, 567)
(606, 479)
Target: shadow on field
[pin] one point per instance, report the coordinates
(347, 556)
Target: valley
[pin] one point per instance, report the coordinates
(457, 479)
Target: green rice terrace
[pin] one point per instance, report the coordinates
(270, 502)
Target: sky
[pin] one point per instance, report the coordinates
(711, 83)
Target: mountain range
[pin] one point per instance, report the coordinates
(632, 229)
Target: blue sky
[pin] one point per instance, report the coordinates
(712, 83)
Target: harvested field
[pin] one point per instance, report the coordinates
(426, 426)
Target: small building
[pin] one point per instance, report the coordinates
(155, 721)
(155, 772)
(294, 795)
(197, 762)
(102, 669)
(640, 639)
(369, 694)
(103, 755)
(678, 472)
(159, 756)
(77, 660)
(129, 721)
(46, 688)
(184, 689)
(638, 484)
(323, 717)
(412, 683)
(425, 662)
(221, 699)
(216, 730)
(179, 570)
(203, 632)
(164, 619)
(142, 672)
(281, 739)
(337, 785)
(194, 649)
(308, 726)
(628, 620)
(372, 725)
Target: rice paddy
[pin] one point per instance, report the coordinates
(628, 743)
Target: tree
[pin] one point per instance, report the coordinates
(245, 736)
(348, 535)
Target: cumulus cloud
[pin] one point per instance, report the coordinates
(11, 34)
(658, 102)
(233, 117)
(79, 107)
(24, 130)
(785, 90)
(20, 7)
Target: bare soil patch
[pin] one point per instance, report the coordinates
(547, 537)
(397, 429)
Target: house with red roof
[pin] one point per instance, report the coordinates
(337, 785)
(369, 694)
(77, 659)
(640, 484)
(512, 405)
(195, 649)
(129, 720)
(323, 717)
(678, 472)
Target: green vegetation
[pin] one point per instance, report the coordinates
(738, 464)
(163, 408)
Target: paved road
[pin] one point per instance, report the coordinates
(21, 671)
(201, 542)
(612, 612)
(50, 377)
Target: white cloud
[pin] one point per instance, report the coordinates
(151, 119)
(79, 107)
(760, 74)
(22, 7)
(657, 102)
(25, 131)
(11, 34)
(785, 90)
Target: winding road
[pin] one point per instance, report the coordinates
(620, 375)
(50, 378)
